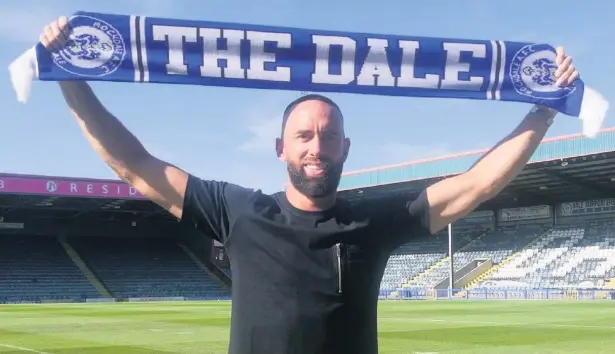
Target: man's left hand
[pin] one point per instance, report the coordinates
(566, 73)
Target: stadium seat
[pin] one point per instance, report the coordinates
(414, 258)
(566, 257)
(37, 269)
(146, 267)
(495, 245)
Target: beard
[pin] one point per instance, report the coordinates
(316, 187)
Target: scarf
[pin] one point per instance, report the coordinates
(124, 48)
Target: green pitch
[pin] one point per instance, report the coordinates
(526, 327)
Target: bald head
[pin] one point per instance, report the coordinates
(316, 101)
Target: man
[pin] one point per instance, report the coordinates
(306, 265)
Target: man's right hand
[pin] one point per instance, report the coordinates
(55, 34)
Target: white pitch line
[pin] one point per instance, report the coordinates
(23, 349)
(493, 323)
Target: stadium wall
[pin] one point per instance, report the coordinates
(560, 214)
(504, 294)
(594, 207)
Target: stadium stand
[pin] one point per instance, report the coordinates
(565, 257)
(553, 227)
(145, 267)
(36, 268)
(544, 231)
(496, 245)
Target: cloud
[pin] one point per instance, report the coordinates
(263, 132)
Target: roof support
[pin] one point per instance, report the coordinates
(94, 205)
(517, 197)
(588, 186)
(24, 200)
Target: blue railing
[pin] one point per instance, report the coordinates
(207, 296)
(402, 294)
(502, 294)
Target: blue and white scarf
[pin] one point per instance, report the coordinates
(123, 48)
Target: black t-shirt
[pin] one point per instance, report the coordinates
(303, 282)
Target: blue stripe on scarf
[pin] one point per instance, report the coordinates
(137, 49)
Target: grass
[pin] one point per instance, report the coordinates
(405, 327)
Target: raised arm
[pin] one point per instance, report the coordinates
(157, 180)
(455, 197)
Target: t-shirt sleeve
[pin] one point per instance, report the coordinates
(407, 220)
(212, 206)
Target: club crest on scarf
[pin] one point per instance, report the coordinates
(94, 48)
(532, 72)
